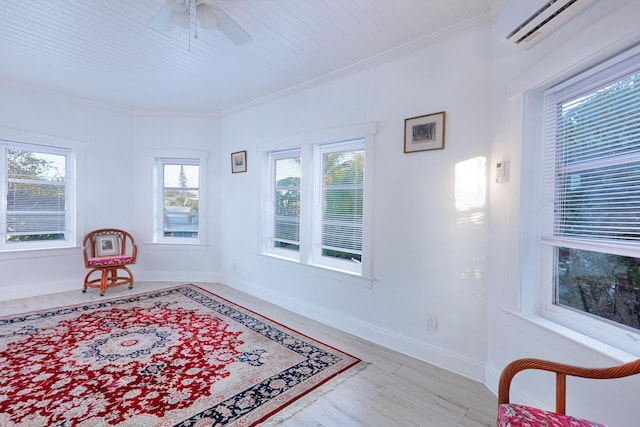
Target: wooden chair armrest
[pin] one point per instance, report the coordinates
(561, 370)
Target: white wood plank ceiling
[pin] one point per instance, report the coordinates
(105, 50)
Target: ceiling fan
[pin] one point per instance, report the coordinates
(208, 16)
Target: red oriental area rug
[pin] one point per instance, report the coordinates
(174, 357)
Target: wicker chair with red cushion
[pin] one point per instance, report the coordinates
(514, 415)
(107, 252)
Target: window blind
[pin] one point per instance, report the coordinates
(35, 192)
(284, 217)
(592, 161)
(339, 199)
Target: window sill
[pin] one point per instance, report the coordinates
(326, 272)
(176, 246)
(574, 336)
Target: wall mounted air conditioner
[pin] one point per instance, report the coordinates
(545, 21)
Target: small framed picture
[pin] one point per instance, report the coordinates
(424, 133)
(107, 245)
(239, 161)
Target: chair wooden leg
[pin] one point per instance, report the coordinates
(104, 282)
(109, 277)
(130, 276)
(86, 280)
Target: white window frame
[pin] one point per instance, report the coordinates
(57, 148)
(269, 231)
(186, 157)
(306, 143)
(317, 257)
(591, 327)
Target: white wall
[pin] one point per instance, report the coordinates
(104, 169)
(427, 256)
(165, 262)
(514, 280)
(114, 171)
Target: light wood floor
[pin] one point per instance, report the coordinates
(391, 390)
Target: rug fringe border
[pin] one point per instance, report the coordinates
(307, 399)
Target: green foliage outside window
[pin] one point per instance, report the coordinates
(287, 213)
(35, 196)
(601, 284)
(343, 205)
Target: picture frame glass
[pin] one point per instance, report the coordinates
(106, 246)
(423, 133)
(239, 162)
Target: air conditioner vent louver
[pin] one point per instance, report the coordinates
(546, 20)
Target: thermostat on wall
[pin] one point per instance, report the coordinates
(500, 171)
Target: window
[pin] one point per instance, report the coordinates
(37, 196)
(178, 200)
(338, 203)
(323, 225)
(283, 236)
(592, 193)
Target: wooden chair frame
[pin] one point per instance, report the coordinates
(561, 371)
(108, 274)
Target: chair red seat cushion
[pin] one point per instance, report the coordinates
(513, 415)
(106, 261)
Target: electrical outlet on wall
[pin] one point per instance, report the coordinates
(432, 322)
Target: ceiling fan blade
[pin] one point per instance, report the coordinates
(230, 28)
(162, 21)
(207, 17)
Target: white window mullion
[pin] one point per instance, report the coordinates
(70, 197)
(306, 200)
(3, 194)
(367, 214)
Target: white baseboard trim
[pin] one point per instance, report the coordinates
(440, 357)
(44, 288)
(48, 287)
(177, 276)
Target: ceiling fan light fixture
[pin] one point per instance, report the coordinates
(179, 5)
(181, 19)
(207, 16)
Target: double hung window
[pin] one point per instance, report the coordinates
(338, 204)
(592, 193)
(283, 235)
(316, 204)
(178, 200)
(36, 204)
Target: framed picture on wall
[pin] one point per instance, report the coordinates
(239, 161)
(106, 246)
(424, 133)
